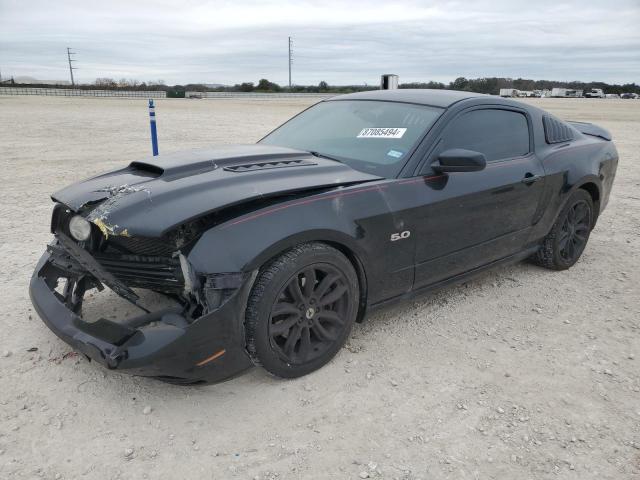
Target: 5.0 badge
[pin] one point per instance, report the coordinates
(400, 236)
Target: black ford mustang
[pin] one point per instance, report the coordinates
(271, 251)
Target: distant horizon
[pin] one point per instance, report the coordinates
(35, 80)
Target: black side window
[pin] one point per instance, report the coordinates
(499, 134)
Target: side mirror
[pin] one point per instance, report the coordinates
(460, 160)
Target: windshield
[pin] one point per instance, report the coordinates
(370, 136)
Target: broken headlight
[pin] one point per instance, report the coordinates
(79, 228)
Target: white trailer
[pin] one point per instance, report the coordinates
(566, 93)
(509, 92)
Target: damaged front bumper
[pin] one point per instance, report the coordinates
(164, 344)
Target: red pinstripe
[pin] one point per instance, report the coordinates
(326, 197)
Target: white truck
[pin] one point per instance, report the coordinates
(594, 93)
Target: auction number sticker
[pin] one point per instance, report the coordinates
(380, 132)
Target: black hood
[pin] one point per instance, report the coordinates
(151, 196)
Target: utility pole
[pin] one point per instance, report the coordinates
(290, 60)
(71, 68)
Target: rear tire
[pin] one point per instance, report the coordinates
(301, 310)
(566, 241)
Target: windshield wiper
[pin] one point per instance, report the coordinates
(322, 155)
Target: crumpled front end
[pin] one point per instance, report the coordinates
(198, 338)
(142, 223)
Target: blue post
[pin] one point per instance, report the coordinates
(154, 133)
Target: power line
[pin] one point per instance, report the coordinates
(290, 59)
(71, 67)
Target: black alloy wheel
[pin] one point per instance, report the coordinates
(575, 231)
(309, 314)
(301, 309)
(568, 237)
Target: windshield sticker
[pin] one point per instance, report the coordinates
(385, 132)
(394, 153)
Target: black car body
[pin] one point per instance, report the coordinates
(483, 182)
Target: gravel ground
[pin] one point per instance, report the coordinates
(521, 373)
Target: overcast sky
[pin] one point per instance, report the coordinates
(340, 42)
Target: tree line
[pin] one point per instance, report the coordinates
(492, 85)
(489, 85)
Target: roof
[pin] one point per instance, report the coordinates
(435, 98)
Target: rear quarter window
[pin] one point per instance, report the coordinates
(555, 131)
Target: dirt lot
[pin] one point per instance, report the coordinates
(520, 374)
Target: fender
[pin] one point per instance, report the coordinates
(565, 195)
(564, 176)
(245, 246)
(355, 219)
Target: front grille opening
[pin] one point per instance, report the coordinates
(143, 246)
(61, 286)
(109, 305)
(136, 271)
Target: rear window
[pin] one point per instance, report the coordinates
(498, 134)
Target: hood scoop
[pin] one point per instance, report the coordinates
(250, 167)
(193, 162)
(146, 168)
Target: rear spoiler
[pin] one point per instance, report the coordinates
(591, 129)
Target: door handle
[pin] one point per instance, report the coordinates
(530, 178)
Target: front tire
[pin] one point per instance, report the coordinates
(566, 241)
(301, 310)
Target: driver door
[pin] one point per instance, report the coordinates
(475, 218)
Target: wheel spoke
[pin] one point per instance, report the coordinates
(570, 249)
(330, 316)
(292, 339)
(333, 296)
(563, 235)
(284, 308)
(277, 329)
(305, 344)
(309, 281)
(322, 333)
(324, 285)
(294, 290)
(581, 212)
